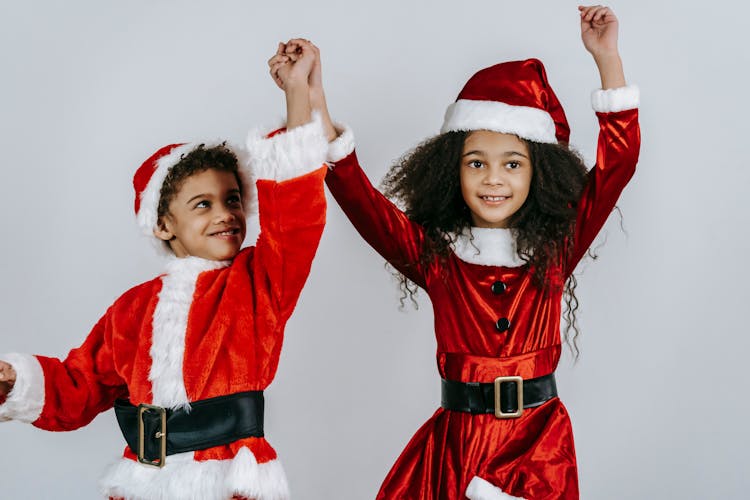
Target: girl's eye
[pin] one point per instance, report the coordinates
(513, 165)
(202, 204)
(234, 200)
(476, 164)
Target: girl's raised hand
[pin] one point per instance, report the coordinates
(599, 27)
(7, 379)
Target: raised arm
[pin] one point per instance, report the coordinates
(616, 106)
(289, 167)
(380, 222)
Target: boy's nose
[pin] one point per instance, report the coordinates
(224, 214)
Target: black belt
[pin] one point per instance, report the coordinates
(153, 432)
(506, 397)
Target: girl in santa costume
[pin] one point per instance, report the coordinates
(498, 212)
(185, 357)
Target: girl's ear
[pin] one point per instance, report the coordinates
(162, 230)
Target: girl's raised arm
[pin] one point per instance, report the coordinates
(599, 27)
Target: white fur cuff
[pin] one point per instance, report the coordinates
(613, 100)
(289, 154)
(26, 400)
(479, 489)
(342, 146)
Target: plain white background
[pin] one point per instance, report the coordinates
(658, 399)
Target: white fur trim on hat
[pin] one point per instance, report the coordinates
(26, 400)
(342, 146)
(526, 122)
(169, 329)
(613, 100)
(480, 489)
(147, 216)
(487, 247)
(183, 478)
(289, 154)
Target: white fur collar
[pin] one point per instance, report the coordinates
(487, 247)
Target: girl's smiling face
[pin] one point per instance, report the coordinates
(206, 218)
(495, 177)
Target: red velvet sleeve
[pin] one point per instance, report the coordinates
(616, 158)
(386, 228)
(292, 216)
(83, 385)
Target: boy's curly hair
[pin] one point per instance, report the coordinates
(426, 181)
(198, 160)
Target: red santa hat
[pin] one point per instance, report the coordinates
(150, 176)
(513, 98)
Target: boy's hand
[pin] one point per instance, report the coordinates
(599, 27)
(276, 62)
(7, 379)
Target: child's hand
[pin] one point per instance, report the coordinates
(7, 378)
(599, 30)
(292, 64)
(276, 62)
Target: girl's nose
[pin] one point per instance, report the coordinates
(494, 175)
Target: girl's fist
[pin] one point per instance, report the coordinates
(598, 29)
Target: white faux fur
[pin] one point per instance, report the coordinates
(619, 99)
(183, 478)
(524, 121)
(169, 327)
(26, 400)
(480, 489)
(342, 146)
(289, 154)
(487, 247)
(147, 213)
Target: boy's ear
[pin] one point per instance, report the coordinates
(162, 231)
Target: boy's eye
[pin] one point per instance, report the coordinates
(202, 204)
(234, 200)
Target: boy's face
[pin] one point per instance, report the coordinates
(205, 218)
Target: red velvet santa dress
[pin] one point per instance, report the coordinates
(200, 330)
(491, 320)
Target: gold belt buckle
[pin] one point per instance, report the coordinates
(161, 435)
(519, 389)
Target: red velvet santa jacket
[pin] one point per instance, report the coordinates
(200, 330)
(492, 320)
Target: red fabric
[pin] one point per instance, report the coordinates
(518, 83)
(146, 170)
(234, 331)
(530, 457)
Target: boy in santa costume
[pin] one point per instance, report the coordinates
(185, 357)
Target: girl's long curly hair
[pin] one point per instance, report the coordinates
(426, 182)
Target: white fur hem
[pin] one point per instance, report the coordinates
(524, 121)
(487, 247)
(147, 215)
(183, 478)
(479, 489)
(613, 100)
(26, 400)
(342, 146)
(289, 154)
